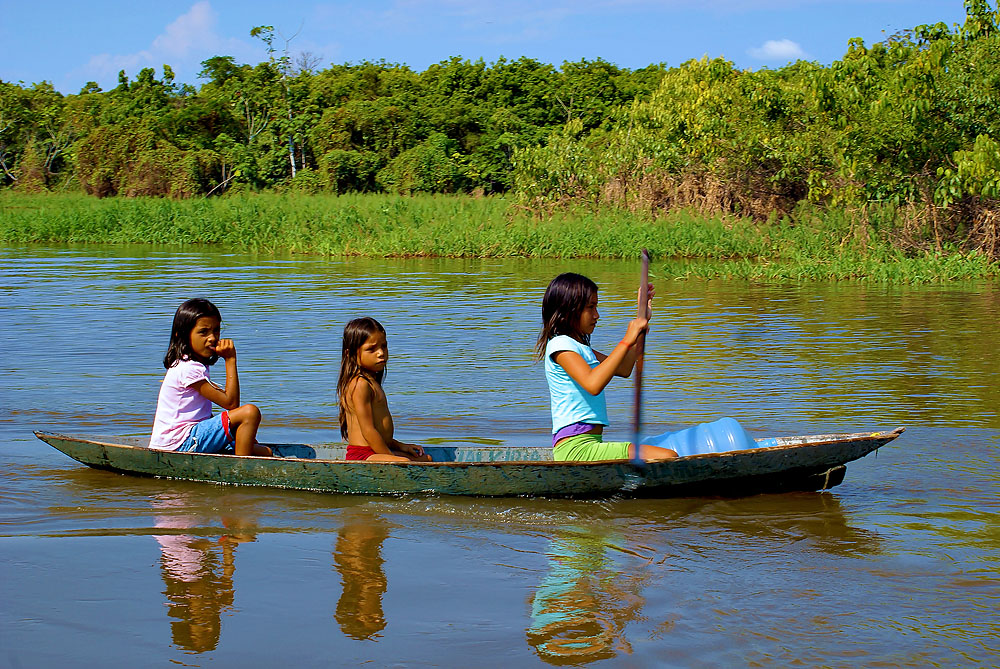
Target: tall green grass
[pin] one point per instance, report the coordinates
(810, 246)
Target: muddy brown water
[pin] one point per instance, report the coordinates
(899, 565)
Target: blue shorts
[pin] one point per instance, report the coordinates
(209, 436)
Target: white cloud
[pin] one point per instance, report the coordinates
(189, 32)
(184, 43)
(783, 50)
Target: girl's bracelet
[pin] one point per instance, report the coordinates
(627, 345)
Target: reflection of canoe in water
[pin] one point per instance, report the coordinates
(795, 463)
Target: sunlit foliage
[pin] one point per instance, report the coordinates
(911, 123)
(902, 136)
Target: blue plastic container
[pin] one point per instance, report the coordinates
(719, 436)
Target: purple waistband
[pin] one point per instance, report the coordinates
(572, 430)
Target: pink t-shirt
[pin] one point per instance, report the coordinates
(179, 406)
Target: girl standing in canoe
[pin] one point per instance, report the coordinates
(365, 421)
(184, 420)
(577, 374)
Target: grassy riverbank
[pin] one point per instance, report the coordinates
(804, 247)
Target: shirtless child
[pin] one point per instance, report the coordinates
(365, 421)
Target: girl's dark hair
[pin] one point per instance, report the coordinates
(356, 333)
(184, 321)
(565, 299)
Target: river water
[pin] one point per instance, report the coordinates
(899, 565)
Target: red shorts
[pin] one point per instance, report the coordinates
(358, 453)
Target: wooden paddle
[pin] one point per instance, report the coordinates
(640, 348)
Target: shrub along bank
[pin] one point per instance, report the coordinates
(810, 244)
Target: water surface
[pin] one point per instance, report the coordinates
(899, 565)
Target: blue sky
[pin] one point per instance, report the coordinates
(70, 42)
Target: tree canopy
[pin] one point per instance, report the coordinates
(910, 121)
(371, 126)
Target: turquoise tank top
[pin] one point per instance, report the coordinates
(570, 402)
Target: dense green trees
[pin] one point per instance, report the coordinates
(364, 127)
(903, 133)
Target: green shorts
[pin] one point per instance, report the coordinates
(590, 446)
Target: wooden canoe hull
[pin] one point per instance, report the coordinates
(796, 463)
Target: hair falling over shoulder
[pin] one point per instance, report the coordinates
(565, 299)
(185, 319)
(356, 333)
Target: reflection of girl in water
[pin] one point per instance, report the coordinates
(197, 573)
(358, 558)
(583, 604)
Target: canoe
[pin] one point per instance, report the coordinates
(813, 462)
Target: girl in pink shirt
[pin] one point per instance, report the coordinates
(184, 420)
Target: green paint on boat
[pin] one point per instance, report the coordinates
(813, 462)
